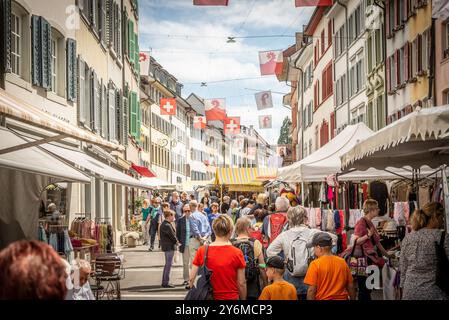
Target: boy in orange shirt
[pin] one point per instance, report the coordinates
(328, 277)
(279, 289)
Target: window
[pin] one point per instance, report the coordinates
(54, 64)
(323, 44)
(16, 44)
(391, 20)
(380, 112)
(445, 28)
(414, 58)
(425, 50)
(446, 97)
(370, 53)
(370, 116)
(329, 33)
(327, 82)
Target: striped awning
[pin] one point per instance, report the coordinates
(244, 176)
(15, 108)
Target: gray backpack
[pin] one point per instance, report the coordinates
(298, 260)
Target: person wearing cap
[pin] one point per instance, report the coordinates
(328, 277)
(279, 289)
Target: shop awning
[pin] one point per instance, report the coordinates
(237, 179)
(155, 183)
(190, 185)
(91, 164)
(143, 171)
(13, 107)
(420, 138)
(35, 160)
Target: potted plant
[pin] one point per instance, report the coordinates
(131, 238)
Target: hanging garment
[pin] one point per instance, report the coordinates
(337, 220)
(424, 195)
(344, 244)
(323, 198)
(318, 217)
(379, 192)
(323, 219)
(354, 216)
(330, 225)
(330, 194)
(401, 213)
(365, 191)
(388, 279)
(311, 215)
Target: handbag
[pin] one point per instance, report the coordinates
(356, 263)
(202, 288)
(442, 276)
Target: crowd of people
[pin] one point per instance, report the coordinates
(254, 251)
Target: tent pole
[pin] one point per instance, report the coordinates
(302, 193)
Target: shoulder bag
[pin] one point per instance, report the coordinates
(202, 288)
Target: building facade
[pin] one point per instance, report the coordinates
(441, 62)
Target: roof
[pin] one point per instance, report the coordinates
(314, 20)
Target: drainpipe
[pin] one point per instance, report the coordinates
(432, 87)
(347, 63)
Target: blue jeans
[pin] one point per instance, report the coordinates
(298, 282)
(168, 263)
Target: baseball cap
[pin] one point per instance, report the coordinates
(276, 262)
(321, 239)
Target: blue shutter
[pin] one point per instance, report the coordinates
(71, 69)
(36, 62)
(5, 36)
(46, 54)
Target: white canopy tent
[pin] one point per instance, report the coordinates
(326, 160)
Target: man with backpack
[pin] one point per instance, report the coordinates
(252, 250)
(276, 222)
(294, 244)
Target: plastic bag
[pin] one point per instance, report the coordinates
(388, 279)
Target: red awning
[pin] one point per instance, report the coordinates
(143, 171)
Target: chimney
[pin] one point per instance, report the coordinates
(300, 40)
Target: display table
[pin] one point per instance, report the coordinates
(84, 252)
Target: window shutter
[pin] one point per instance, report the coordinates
(111, 113)
(5, 36)
(329, 33)
(104, 110)
(104, 26)
(133, 114)
(81, 91)
(406, 62)
(45, 54)
(71, 69)
(119, 33)
(96, 94)
(36, 49)
(139, 118)
(131, 40)
(136, 54)
(388, 74)
(125, 119)
(125, 31)
(87, 95)
(387, 16)
(119, 117)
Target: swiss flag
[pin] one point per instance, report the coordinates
(215, 109)
(313, 3)
(210, 2)
(231, 125)
(271, 62)
(199, 122)
(168, 106)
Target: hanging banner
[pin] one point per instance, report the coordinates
(215, 109)
(264, 100)
(168, 106)
(271, 62)
(199, 122)
(144, 60)
(210, 2)
(313, 3)
(231, 125)
(265, 122)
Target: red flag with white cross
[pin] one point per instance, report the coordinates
(210, 2)
(313, 3)
(231, 125)
(199, 122)
(168, 106)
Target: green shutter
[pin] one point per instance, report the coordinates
(125, 126)
(139, 118)
(71, 69)
(131, 40)
(133, 115)
(45, 53)
(5, 36)
(136, 53)
(35, 51)
(119, 116)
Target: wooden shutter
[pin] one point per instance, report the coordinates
(81, 91)
(5, 36)
(119, 117)
(136, 54)
(104, 110)
(420, 55)
(125, 31)
(330, 80)
(111, 113)
(36, 62)
(387, 16)
(333, 124)
(104, 27)
(119, 50)
(407, 61)
(125, 120)
(46, 54)
(131, 40)
(133, 114)
(388, 66)
(71, 69)
(96, 103)
(329, 33)
(323, 43)
(139, 118)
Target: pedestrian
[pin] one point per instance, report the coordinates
(201, 209)
(206, 206)
(212, 216)
(183, 236)
(32, 270)
(256, 232)
(176, 205)
(192, 197)
(153, 221)
(293, 243)
(225, 261)
(214, 197)
(81, 286)
(254, 197)
(368, 238)
(168, 246)
(184, 199)
(248, 206)
(146, 209)
(200, 230)
(279, 289)
(234, 211)
(206, 198)
(276, 222)
(225, 205)
(240, 198)
(328, 276)
(418, 261)
(261, 203)
(252, 250)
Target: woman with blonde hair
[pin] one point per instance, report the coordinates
(224, 260)
(418, 261)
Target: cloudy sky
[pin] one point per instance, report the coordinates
(190, 43)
